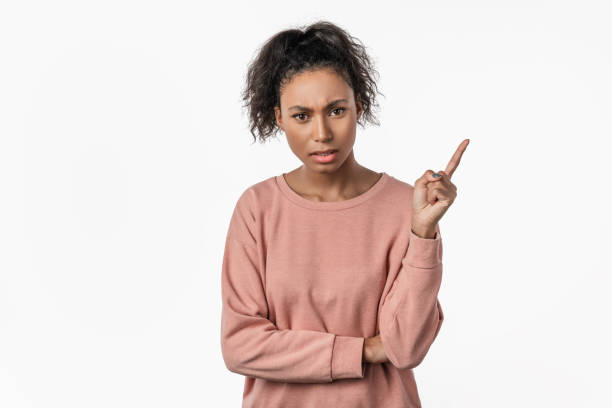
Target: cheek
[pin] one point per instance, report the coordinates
(346, 135)
(297, 144)
(346, 129)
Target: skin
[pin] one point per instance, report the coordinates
(323, 128)
(317, 126)
(434, 195)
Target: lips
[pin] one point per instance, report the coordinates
(324, 151)
(324, 158)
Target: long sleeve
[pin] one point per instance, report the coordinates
(251, 344)
(411, 315)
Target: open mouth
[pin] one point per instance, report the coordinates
(324, 157)
(325, 152)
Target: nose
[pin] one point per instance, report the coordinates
(321, 133)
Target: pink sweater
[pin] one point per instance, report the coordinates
(305, 282)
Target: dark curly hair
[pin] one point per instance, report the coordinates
(287, 53)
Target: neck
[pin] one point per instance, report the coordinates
(343, 182)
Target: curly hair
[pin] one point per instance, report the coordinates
(289, 52)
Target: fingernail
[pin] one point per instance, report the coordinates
(436, 175)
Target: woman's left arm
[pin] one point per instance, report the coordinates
(411, 315)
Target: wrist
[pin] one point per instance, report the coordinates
(427, 232)
(366, 351)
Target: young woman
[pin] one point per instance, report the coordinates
(331, 271)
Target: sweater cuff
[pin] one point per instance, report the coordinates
(347, 357)
(423, 252)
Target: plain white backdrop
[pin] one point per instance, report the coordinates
(124, 148)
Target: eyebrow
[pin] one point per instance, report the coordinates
(329, 105)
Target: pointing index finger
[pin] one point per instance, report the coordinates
(454, 161)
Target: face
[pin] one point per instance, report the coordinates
(318, 111)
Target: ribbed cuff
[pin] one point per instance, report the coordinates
(347, 357)
(423, 252)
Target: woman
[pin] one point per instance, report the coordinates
(331, 271)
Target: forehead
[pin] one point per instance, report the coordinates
(315, 88)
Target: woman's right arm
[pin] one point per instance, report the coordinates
(252, 345)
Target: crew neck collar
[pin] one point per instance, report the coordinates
(329, 205)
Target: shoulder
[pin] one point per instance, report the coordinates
(246, 218)
(255, 200)
(257, 195)
(400, 183)
(398, 188)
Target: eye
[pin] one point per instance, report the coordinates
(299, 115)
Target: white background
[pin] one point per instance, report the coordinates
(124, 148)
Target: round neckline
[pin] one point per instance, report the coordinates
(329, 205)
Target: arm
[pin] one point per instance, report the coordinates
(411, 315)
(252, 345)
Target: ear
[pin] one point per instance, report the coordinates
(359, 106)
(279, 119)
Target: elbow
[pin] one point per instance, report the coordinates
(230, 363)
(410, 362)
(404, 358)
(238, 358)
(408, 355)
(233, 364)
(230, 357)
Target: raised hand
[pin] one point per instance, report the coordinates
(434, 195)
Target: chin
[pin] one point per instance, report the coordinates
(324, 168)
